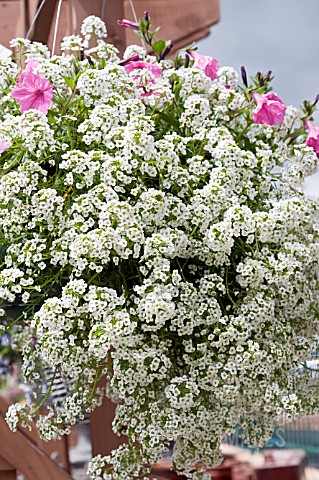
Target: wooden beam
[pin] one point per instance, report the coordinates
(114, 10)
(12, 21)
(117, 34)
(58, 448)
(8, 475)
(73, 12)
(43, 24)
(7, 471)
(181, 21)
(26, 457)
(4, 464)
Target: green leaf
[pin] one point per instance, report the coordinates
(153, 34)
(70, 82)
(102, 63)
(143, 25)
(159, 46)
(170, 120)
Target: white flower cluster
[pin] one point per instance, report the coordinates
(33, 132)
(162, 240)
(93, 27)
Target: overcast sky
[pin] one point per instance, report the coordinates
(277, 35)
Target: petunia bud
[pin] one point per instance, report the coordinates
(315, 101)
(133, 58)
(128, 24)
(244, 76)
(270, 109)
(268, 76)
(90, 61)
(166, 51)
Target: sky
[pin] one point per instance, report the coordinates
(277, 35)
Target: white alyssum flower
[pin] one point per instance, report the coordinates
(159, 239)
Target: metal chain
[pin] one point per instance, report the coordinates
(133, 11)
(74, 17)
(103, 10)
(56, 26)
(136, 19)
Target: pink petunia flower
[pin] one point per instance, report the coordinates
(4, 146)
(156, 70)
(33, 90)
(208, 65)
(312, 139)
(28, 69)
(270, 109)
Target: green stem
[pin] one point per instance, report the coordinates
(227, 289)
(47, 394)
(309, 368)
(124, 282)
(68, 102)
(13, 163)
(181, 270)
(243, 132)
(98, 376)
(296, 133)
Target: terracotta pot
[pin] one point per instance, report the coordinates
(222, 472)
(243, 471)
(163, 470)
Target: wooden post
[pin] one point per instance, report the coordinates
(104, 440)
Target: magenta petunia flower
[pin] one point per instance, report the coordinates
(156, 70)
(208, 65)
(4, 146)
(270, 109)
(312, 139)
(33, 90)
